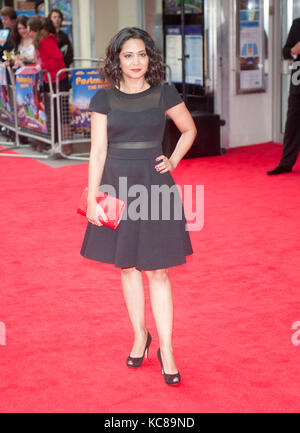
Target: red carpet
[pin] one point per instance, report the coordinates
(67, 330)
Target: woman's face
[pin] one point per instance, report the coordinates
(56, 19)
(134, 59)
(22, 30)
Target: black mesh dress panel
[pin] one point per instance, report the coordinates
(135, 117)
(135, 131)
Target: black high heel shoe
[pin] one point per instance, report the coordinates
(169, 378)
(137, 362)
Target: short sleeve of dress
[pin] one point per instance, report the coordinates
(171, 96)
(99, 102)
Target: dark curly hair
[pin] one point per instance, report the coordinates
(112, 70)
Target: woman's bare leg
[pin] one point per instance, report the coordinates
(133, 290)
(162, 308)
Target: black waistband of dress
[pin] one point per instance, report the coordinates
(134, 145)
(123, 150)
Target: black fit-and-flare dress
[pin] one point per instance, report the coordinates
(136, 125)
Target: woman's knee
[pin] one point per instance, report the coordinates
(157, 275)
(129, 271)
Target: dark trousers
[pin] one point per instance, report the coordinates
(291, 143)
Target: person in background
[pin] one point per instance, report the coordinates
(8, 17)
(23, 43)
(64, 43)
(291, 143)
(50, 58)
(8, 20)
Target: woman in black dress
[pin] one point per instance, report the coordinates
(128, 121)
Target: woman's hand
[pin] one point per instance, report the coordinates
(18, 63)
(95, 210)
(296, 48)
(166, 164)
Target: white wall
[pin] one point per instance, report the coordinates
(128, 13)
(85, 29)
(110, 17)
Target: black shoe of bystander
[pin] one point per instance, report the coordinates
(279, 170)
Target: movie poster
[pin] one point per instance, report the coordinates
(193, 49)
(30, 100)
(68, 29)
(5, 108)
(174, 52)
(4, 33)
(251, 42)
(86, 82)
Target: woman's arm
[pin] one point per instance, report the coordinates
(98, 153)
(296, 49)
(97, 160)
(292, 45)
(185, 123)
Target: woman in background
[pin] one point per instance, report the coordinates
(49, 56)
(64, 43)
(23, 43)
(47, 53)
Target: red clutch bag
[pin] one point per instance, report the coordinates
(113, 208)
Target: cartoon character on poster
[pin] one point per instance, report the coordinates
(30, 102)
(86, 82)
(5, 108)
(38, 96)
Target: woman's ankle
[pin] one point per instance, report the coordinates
(166, 348)
(140, 333)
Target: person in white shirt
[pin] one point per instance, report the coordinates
(23, 43)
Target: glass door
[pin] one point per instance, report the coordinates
(183, 29)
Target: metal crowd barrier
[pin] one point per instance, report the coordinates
(22, 131)
(5, 122)
(58, 102)
(67, 134)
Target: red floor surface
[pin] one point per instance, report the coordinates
(67, 329)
